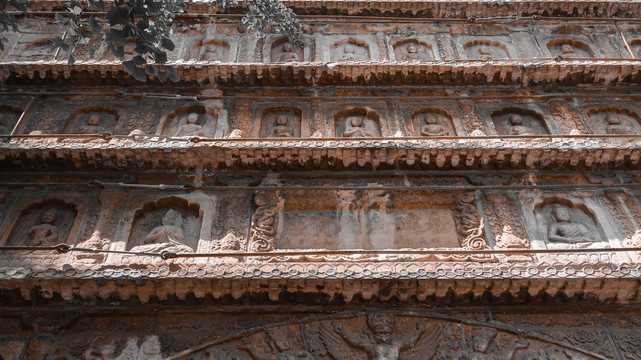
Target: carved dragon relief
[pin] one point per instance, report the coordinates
(390, 336)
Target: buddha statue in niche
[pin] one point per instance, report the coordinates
(281, 127)
(355, 127)
(485, 52)
(212, 52)
(45, 233)
(190, 127)
(349, 53)
(433, 128)
(168, 235)
(563, 230)
(288, 54)
(412, 52)
(92, 126)
(517, 127)
(615, 126)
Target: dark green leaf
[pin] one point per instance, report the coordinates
(117, 15)
(71, 60)
(118, 51)
(173, 74)
(129, 66)
(142, 24)
(139, 60)
(61, 20)
(162, 74)
(115, 37)
(140, 74)
(149, 70)
(167, 44)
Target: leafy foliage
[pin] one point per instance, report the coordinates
(7, 20)
(139, 31)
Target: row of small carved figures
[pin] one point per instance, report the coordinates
(354, 126)
(169, 235)
(350, 50)
(381, 339)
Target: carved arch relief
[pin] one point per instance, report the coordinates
(9, 116)
(168, 224)
(357, 123)
(350, 50)
(46, 223)
(190, 121)
(280, 122)
(614, 121)
(413, 50)
(396, 336)
(432, 122)
(518, 121)
(485, 49)
(570, 48)
(92, 120)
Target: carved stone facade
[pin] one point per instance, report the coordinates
(417, 181)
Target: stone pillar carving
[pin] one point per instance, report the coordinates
(445, 48)
(565, 118)
(626, 214)
(264, 224)
(105, 224)
(471, 119)
(382, 46)
(506, 224)
(241, 118)
(317, 119)
(395, 118)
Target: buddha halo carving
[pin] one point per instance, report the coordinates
(350, 50)
(168, 224)
(518, 121)
(284, 51)
(280, 122)
(412, 50)
(357, 123)
(190, 121)
(44, 224)
(485, 50)
(432, 122)
(614, 121)
(570, 48)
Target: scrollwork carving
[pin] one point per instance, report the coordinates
(265, 220)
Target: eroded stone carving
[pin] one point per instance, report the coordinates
(265, 219)
(214, 50)
(191, 121)
(282, 122)
(44, 224)
(569, 48)
(505, 222)
(433, 122)
(350, 50)
(564, 230)
(486, 49)
(284, 51)
(615, 121)
(92, 120)
(513, 121)
(357, 123)
(410, 50)
(280, 343)
(566, 118)
(168, 224)
(482, 337)
(190, 127)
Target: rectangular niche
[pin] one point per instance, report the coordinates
(366, 219)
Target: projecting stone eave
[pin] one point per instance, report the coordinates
(524, 73)
(177, 155)
(404, 282)
(461, 9)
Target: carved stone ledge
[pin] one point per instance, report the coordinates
(515, 153)
(584, 72)
(601, 281)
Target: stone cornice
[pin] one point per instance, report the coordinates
(497, 72)
(432, 9)
(604, 282)
(529, 152)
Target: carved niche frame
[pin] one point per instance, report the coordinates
(587, 202)
(336, 111)
(330, 41)
(274, 41)
(117, 109)
(488, 111)
(77, 200)
(411, 109)
(267, 221)
(428, 40)
(205, 202)
(261, 109)
(212, 108)
(598, 126)
(502, 42)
